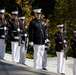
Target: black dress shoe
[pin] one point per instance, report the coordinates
(24, 64)
(62, 73)
(44, 69)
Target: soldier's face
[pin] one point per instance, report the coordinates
(75, 34)
(15, 17)
(22, 21)
(1, 15)
(60, 30)
(37, 15)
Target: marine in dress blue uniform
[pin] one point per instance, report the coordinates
(59, 40)
(15, 37)
(24, 40)
(3, 33)
(37, 38)
(73, 46)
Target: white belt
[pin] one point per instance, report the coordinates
(14, 31)
(16, 38)
(3, 36)
(24, 35)
(1, 27)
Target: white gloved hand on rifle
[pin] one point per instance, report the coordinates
(65, 41)
(31, 43)
(47, 41)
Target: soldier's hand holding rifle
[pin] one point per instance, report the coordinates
(31, 43)
(65, 46)
(5, 33)
(65, 43)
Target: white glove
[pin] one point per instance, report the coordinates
(25, 35)
(65, 41)
(23, 42)
(18, 29)
(47, 40)
(5, 28)
(31, 43)
(25, 26)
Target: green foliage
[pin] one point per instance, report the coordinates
(24, 4)
(65, 12)
(29, 55)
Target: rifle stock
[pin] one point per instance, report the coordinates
(26, 43)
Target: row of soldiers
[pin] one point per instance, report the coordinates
(17, 30)
(19, 34)
(38, 38)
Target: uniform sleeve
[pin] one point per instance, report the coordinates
(72, 44)
(45, 33)
(10, 29)
(57, 41)
(30, 30)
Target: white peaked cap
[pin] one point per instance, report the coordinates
(37, 10)
(23, 17)
(74, 32)
(15, 12)
(2, 11)
(60, 26)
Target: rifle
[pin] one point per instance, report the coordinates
(18, 30)
(19, 33)
(65, 41)
(5, 33)
(26, 42)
